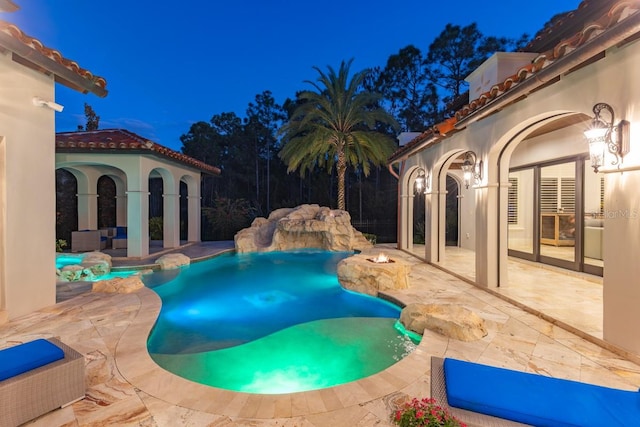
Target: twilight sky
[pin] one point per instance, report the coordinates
(169, 64)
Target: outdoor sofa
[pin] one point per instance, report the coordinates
(88, 240)
(481, 395)
(38, 377)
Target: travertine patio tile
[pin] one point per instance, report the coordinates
(126, 387)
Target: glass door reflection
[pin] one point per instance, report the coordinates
(557, 202)
(520, 215)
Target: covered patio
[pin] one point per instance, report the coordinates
(130, 161)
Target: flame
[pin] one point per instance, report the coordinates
(381, 258)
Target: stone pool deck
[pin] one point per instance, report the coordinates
(126, 388)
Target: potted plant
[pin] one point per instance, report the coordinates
(424, 413)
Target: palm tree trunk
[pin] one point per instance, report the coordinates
(341, 167)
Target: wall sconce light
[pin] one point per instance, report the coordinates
(39, 102)
(471, 169)
(604, 137)
(421, 182)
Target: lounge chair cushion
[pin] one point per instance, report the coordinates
(536, 399)
(25, 357)
(121, 232)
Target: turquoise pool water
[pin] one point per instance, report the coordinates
(62, 260)
(272, 323)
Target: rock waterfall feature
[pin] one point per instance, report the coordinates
(305, 226)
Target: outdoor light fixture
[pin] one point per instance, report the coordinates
(471, 168)
(422, 182)
(604, 137)
(39, 102)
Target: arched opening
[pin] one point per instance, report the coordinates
(156, 210)
(452, 224)
(184, 211)
(555, 202)
(455, 225)
(66, 205)
(106, 202)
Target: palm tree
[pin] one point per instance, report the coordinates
(335, 125)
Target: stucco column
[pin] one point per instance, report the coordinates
(171, 220)
(403, 217)
(195, 219)
(621, 288)
(121, 210)
(137, 223)
(431, 226)
(87, 211)
(487, 256)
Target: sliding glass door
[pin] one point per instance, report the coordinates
(557, 207)
(555, 213)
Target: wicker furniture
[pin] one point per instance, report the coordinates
(36, 392)
(471, 419)
(119, 240)
(87, 240)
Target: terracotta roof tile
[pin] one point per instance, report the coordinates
(27, 47)
(124, 142)
(612, 14)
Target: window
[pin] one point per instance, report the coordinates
(568, 194)
(548, 194)
(513, 201)
(558, 195)
(601, 195)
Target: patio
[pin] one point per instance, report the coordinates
(125, 387)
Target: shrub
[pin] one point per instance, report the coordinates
(156, 228)
(228, 216)
(370, 237)
(60, 245)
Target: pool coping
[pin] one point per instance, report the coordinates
(139, 369)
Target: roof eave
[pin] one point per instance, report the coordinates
(76, 150)
(27, 56)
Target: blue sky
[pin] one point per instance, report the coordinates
(169, 64)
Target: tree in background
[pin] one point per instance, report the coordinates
(334, 126)
(405, 86)
(456, 52)
(264, 118)
(227, 216)
(93, 120)
(417, 88)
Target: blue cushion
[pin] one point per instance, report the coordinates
(537, 400)
(121, 232)
(25, 357)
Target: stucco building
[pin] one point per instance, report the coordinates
(511, 174)
(29, 73)
(30, 153)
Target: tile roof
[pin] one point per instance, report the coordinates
(31, 52)
(592, 18)
(122, 141)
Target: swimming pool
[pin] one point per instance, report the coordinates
(274, 322)
(65, 259)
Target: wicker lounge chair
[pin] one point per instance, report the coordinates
(38, 391)
(471, 419)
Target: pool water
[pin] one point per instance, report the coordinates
(275, 322)
(64, 260)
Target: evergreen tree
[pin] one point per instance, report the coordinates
(93, 120)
